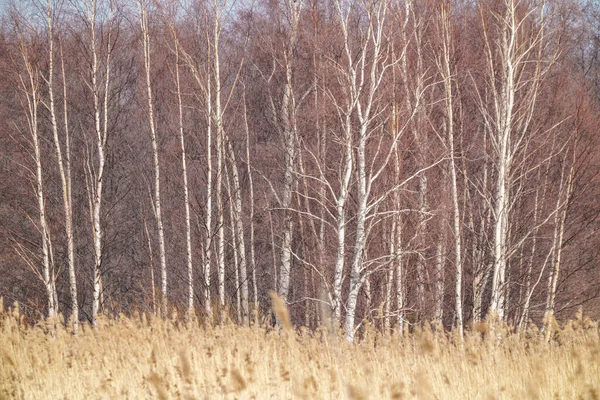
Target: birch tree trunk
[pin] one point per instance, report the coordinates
(364, 73)
(69, 215)
(481, 269)
(445, 69)
(516, 64)
(503, 92)
(30, 85)
(251, 189)
(559, 231)
(538, 203)
(199, 69)
(240, 248)
(439, 289)
(234, 239)
(186, 197)
(218, 122)
(287, 117)
(209, 198)
(96, 175)
(341, 200)
(64, 170)
(143, 14)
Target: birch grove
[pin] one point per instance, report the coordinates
(375, 163)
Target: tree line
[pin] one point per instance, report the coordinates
(381, 161)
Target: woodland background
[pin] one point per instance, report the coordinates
(378, 160)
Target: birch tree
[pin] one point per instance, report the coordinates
(363, 73)
(143, 15)
(64, 163)
(283, 114)
(515, 69)
(28, 75)
(445, 67)
(199, 66)
(184, 169)
(238, 231)
(563, 199)
(99, 85)
(214, 37)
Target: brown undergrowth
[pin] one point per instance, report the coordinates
(143, 357)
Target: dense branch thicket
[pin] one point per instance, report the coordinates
(383, 160)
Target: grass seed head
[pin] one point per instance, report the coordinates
(281, 311)
(238, 383)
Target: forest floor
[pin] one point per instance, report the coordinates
(143, 357)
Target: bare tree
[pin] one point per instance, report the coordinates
(64, 164)
(95, 172)
(143, 15)
(30, 87)
(445, 67)
(515, 69)
(186, 195)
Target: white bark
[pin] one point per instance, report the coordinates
(559, 231)
(238, 226)
(439, 281)
(251, 189)
(234, 238)
(209, 198)
(204, 83)
(482, 270)
(341, 200)
(69, 214)
(218, 121)
(399, 271)
(287, 117)
(151, 262)
(363, 73)
(445, 69)
(64, 170)
(398, 268)
(143, 14)
(29, 82)
(538, 203)
(513, 95)
(186, 196)
(96, 175)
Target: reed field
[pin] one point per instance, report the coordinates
(143, 357)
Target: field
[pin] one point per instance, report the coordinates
(142, 357)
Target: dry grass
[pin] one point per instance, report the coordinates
(139, 358)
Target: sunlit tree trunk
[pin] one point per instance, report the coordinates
(209, 200)
(444, 64)
(143, 14)
(30, 85)
(340, 206)
(217, 116)
(529, 286)
(516, 62)
(439, 281)
(364, 73)
(562, 207)
(251, 189)
(96, 174)
(204, 83)
(151, 262)
(288, 128)
(235, 255)
(238, 226)
(69, 216)
(64, 169)
(186, 196)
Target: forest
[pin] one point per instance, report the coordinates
(373, 162)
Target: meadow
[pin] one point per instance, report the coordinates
(143, 357)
